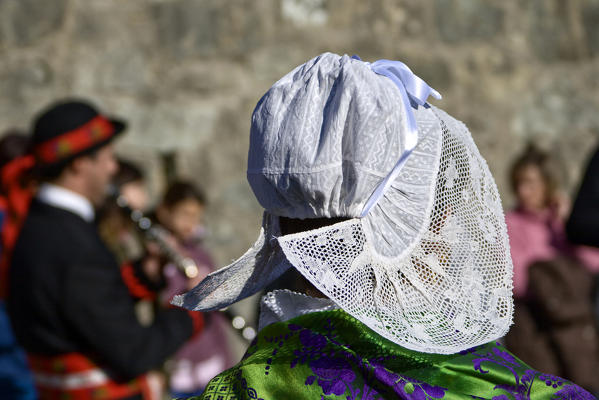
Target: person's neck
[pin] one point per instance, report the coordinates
(60, 196)
(72, 185)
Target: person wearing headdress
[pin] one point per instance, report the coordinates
(70, 307)
(16, 191)
(15, 194)
(384, 206)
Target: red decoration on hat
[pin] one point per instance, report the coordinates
(75, 141)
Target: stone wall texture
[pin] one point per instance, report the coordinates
(186, 74)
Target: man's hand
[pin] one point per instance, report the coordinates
(153, 262)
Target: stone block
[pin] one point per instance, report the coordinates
(214, 27)
(209, 76)
(590, 15)
(460, 21)
(553, 31)
(378, 28)
(111, 47)
(27, 84)
(24, 22)
(561, 114)
(435, 70)
(166, 124)
(305, 12)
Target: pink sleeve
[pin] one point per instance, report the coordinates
(519, 254)
(589, 256)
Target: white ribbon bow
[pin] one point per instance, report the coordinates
(414, 92)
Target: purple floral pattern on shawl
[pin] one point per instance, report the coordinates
(331, 360)
(334, 371)
(406, 387)
(521, 389)
(334, 375)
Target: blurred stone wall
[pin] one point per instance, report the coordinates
(187, 74)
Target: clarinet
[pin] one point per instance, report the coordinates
(159, 235)
(184, 264)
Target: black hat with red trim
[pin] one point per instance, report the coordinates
(69, 129)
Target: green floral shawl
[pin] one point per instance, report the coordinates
(331, 355)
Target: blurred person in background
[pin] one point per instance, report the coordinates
(537, 224)
(69, 304)
(553, 322)
(181, 211)
(127, 195)
(16, 191)
(583, 224)
(15, 195)
(115, 223)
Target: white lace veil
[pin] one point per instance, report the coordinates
(427, 264)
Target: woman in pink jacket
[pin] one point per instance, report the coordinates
(536, 226)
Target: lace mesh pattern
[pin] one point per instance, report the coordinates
(448, 290)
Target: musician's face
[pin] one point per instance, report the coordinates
(184, 218)
(96, 172)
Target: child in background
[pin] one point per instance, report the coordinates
(181, 212)
(536, 225)
(115, 225)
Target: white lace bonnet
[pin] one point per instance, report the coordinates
(424, 260)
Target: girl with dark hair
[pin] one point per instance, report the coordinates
(181, 212)
(536, 224)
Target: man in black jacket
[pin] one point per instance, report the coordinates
(70, 306)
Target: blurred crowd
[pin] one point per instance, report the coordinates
(90, 263)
